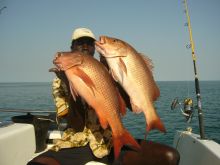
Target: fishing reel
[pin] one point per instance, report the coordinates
(186, 108)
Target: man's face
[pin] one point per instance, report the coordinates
(85, 45)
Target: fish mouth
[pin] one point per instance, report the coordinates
(56, 61)
(99, 45)
(102, 39)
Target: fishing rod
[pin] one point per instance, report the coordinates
(197, 87)
(26, 111)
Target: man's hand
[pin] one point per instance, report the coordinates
(60, 74)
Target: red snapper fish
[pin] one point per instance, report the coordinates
(133, 71)
(90, 79)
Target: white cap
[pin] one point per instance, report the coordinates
(82, 32)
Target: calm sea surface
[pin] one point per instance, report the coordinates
(37, 96)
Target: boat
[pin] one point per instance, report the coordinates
(20, 143)
(21, 140)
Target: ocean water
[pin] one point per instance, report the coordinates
(37, 96)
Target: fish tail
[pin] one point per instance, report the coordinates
(125, 138)
(156, 124)
(153, 120)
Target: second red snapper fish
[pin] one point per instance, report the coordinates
(90, 79)
(134, 73)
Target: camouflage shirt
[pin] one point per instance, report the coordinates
(99, 140)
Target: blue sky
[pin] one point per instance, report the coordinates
(31, 32)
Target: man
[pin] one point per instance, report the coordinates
(82, 120)
(84, 140)
(83, 41)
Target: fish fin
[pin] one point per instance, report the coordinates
(121, 104)
(73, 91)
(113, 75)
(155, 124)
(122, 66)
(102, 119)
(125, 138)
(150, 66)
(148, 62)
(86, 79)
(103, 122)
(135, 108)
(156, 93)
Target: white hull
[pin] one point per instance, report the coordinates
(18, 144)
(193, 150)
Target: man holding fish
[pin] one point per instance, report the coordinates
(93, 101)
